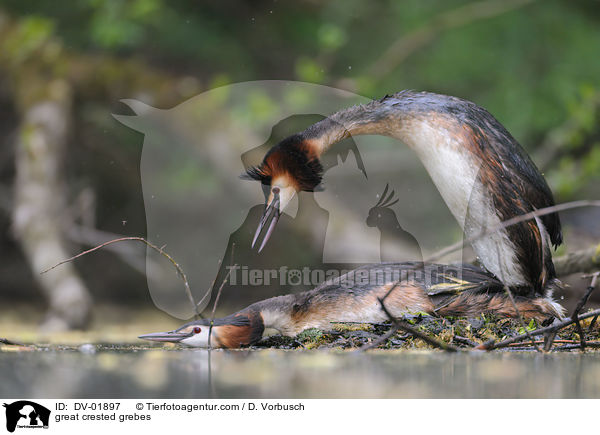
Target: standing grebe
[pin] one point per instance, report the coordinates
(435, 289)
(483, 174)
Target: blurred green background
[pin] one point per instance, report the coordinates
(535, 65)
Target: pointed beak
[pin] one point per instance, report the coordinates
(268, 220)
(165, 337)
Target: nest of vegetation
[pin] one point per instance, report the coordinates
(458, 332)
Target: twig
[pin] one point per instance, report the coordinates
(549, 337)
(413, 41)
(14, 343)
(382, 339)
(554, 143)
(458, 245)
(556, 341)
(426, 338)
(180, 271)
(212, 316)
(413, 331)
(521, 321)
(464, 340)
(421, 265)
(594, 344)
(490, 345)
(93, 237)
(395, 325)
(209, 291)
(512, 221)
(580, 306)
(513, 302)
(520, 317)
(398, 324)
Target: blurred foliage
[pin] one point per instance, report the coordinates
(577, 146)
(518, 59)
(539, 78)
(535, 67)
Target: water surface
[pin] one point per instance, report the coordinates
(113, 372)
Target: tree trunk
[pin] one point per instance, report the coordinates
(40, 200)
(584, 261)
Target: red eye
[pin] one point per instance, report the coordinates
(197, 330)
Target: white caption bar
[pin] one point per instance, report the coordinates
(312, 416)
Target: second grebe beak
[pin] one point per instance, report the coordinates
(281, 195)
(269, 218)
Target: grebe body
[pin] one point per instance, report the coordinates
(354, 297)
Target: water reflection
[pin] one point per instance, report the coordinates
(191, 373)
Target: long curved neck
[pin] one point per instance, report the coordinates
(371, 118)
(428, 124)
(424, 123)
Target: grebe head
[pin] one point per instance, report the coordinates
(289, 167)
(240, 329)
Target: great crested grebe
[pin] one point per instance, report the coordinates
(435, 289)
(483, 174)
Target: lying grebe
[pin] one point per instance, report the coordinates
(435, 289)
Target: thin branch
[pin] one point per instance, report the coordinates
(426, 338)
(549, 337)
(410, 43)
(556, 341)
(385, 337)
(415, 332)
(520, 317)
(512, 221)
(464, 340)
(513, 302)
(151, 245)
(399, 324)
(209, 291)
(421, 266)
(594, 344)
(491, 345)
(212, 316)
(554, 142)
(91, 237)
(15, 343)
(580, 306)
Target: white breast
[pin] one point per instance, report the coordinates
(453, 169)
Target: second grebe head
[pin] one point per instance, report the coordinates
(289, 167)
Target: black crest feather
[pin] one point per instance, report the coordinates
(256, 173)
